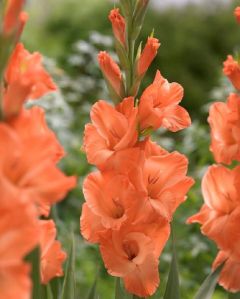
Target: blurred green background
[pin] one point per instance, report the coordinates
(195, 40)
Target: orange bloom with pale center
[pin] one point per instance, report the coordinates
(29, 153)
(110, 139)
(118, 25)
(52, 256)
(219, 216)
(224, 120)
(231, 69)
(164, 184)
(148, 54)
(132, 253)
(159, 107)
(25, 79)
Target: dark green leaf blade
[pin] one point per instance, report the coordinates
(93, 291)
(208, 287)
(47, 292)
(34, 259)
(120, 292)
(69, 285)
(234, 295)
(55, 287)
(173, 289)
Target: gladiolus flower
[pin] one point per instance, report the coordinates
(112, 197)
(25, 79)
(147, 56)
(118, 25)
(229, 275)
(91, 225)
(18, 236)
(224, 120)
(34, 157)
(231, 69)
(52, 255)
(164, 184)
(112, 134)
(11, 16)
(159, 107)
(219, 216)
(111, 71)
(132, 253)
(237, 13)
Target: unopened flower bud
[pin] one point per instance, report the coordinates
(147, 55)
(231, 69)
(237, 14)
(111, 71)
(11, 16)
(118, 25)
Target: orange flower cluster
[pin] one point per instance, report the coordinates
(220, 215)
(30, 182)
(131, 199)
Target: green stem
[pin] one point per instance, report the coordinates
(131, 47)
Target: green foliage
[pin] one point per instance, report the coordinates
(69, 284)
(173, 289)
(208, 287)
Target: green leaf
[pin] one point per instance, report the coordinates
(93, 291)
(55, 287)
(69, 284)
(47, 292)
(34, 259)
(208, 287)
(120, 292)
(234, 296)
(172, 289)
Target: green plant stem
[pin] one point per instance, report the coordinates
(131, 47)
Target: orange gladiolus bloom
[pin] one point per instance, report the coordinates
(229, 276)
(111, 71)
(132, 253)
(159, 107)
(237, 13)
(18, 236)
(111, 136)
(25, 79)
(52, 255)
(34, 155)
(11, 16)
(220, 213)
(231, 69)
(164, 185)
(118, 25)
(224, 119)
(112, 197)
(147, 56)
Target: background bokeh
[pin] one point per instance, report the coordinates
(195, 38)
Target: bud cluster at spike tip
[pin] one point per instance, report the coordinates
(35, 182)
(219, 216)
(138, 185)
